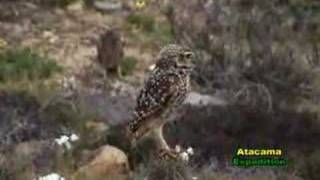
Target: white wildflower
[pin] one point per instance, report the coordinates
(53, 39)
(74, 137)
(117, 85)
(66, 140)
(178, 148)
(62, 140)
(184, 156)
(52, 176)
(65, 83)
(72, 80)
(48, 34)
(68, 145)
(190, 151)
(113, 93)
(68, 83)
(194, 178)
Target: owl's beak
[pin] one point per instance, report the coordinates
(188, 54)
(190, 57)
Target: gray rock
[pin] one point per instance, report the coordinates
(108, 162)
(198, 99)
(113, 109)
(106, 6)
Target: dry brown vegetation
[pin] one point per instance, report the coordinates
(263, 57)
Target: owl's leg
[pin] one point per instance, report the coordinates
(119, 71)
(144, 128)
(165, 150)
(161, 142)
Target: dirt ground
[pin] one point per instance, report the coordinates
(67, 35)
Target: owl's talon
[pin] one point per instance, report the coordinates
(168, 154)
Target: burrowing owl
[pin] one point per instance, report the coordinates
(110, 51)
(164, 90)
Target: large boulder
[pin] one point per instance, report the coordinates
(109, 162)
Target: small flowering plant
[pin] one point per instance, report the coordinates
(66, 141)
(52, 176)
(184, 154)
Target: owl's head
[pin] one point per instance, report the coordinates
(175, 56)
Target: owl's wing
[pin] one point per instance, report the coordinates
(157, 95)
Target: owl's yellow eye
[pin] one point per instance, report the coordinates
(181, 57)
(188, 55)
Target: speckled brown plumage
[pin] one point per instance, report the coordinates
(164, 90)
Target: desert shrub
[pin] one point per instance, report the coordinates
(219, 131)
(63, 3)
(20, 108)
(163, 169)
(23, 64)
(149, 28)
(310, 166)
(142, 21)
(251, 49)
(127, 65)
(263, 57)
(4, 174)
(163, 33)
(169, 170)
(88, 3)
(57, 3)
(26, 119)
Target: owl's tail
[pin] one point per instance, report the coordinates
(117, 136)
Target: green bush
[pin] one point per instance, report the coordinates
(4, 174)
(19, 64)
(57, 3)
(163, 33)
(150, 31)
(128, 64)
(142, 21)
(164, 170)
(169, 170)
(311, 166)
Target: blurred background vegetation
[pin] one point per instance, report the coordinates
(259, 57)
